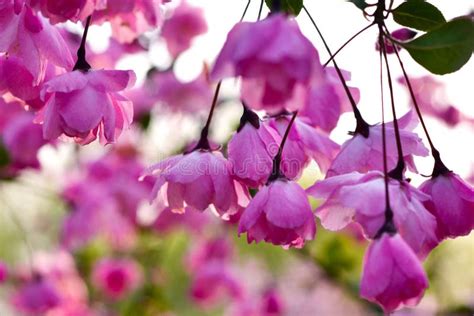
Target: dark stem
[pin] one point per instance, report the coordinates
(396, 173)
(388, 225)
(82, 63)
(245, 10)
(439, 167)
(249, 117)
(347, 42)
(260, 10)
(203, 143)
(276, 171)
(362, 127)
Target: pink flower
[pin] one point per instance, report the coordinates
(117, 278)
(61, 11)
(199, 179)
(274, 59)
(32, 39)
(217, 249)
(360, 197)
(83, 105)
(36, 296)
(452, 203)
(392, 275)
(3, 272)
(252, 148)
(364, 154)
(402, 35)
(303, 144)
(185, 23)
(191, 221)
(279, 213)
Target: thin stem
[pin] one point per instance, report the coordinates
(347, 42)
(203, 141)
(439, 167)
(82, 63)
(396, 173)
(260, 10)
(276, 172)
(362, 127)
(245, 10)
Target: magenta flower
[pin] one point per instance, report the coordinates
(274, 59)
(199, 180)
(117, 278)
(36, 296)
(392, 275)
(31, 39)
(365, 154)
(84, 105)
(279, 213)
(3, 272)
(185, 23)
(61, 11)
(452, 203)
(402, 35)
(358, 197)
(217, 249)
(251, 150)
(303, 144)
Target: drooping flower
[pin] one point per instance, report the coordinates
(452, 203)
(273, 58)
(279, 213)
(364, 154)
(199, 179)
(252, 148)
(360, 197)
(61, 11)
(401, 35)
(185, 23)
(393, 276)
(117, 278)
(31, 39)
(303, 144)
(84, 105)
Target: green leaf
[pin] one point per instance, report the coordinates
(292, 7)
(445, 49)
(361, 4)
(419, 15)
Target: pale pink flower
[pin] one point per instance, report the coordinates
(84, 105)
(32, 39)
(273, 58)
(117, 278)
(186, 22)
(361, 198)
(279, 213)
(452, 203)
(393, 276)
(364, 154)
(199, 180)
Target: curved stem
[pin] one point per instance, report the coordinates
(260, 10)
(362, 127)
(204, 141)
(245, 10)
(276, 172)
(82, 63)
(347, 42)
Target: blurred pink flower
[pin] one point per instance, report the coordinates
(392, 275)
(61, 11)
(31, 39)
(191, 221)
(217, 249)
(279, 213)
(186, 22)
(274, 59)
(452, 203)
(364, 154)
(117, 278)
(84, 105)
(36, 296)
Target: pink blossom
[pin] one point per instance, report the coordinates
(402, 35)
(199, 179)
(452, 203)
(360, 197)
(3, 272)
(36, 296)
(185, 23)
(364, 154)
(61, 11)
(84, 105)
(191, 221)
(303, 144)
(117, 278)
(32, 39)
(252, 148)
(274, 59)
(279, 213)
(392, 275)
(217, 249)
